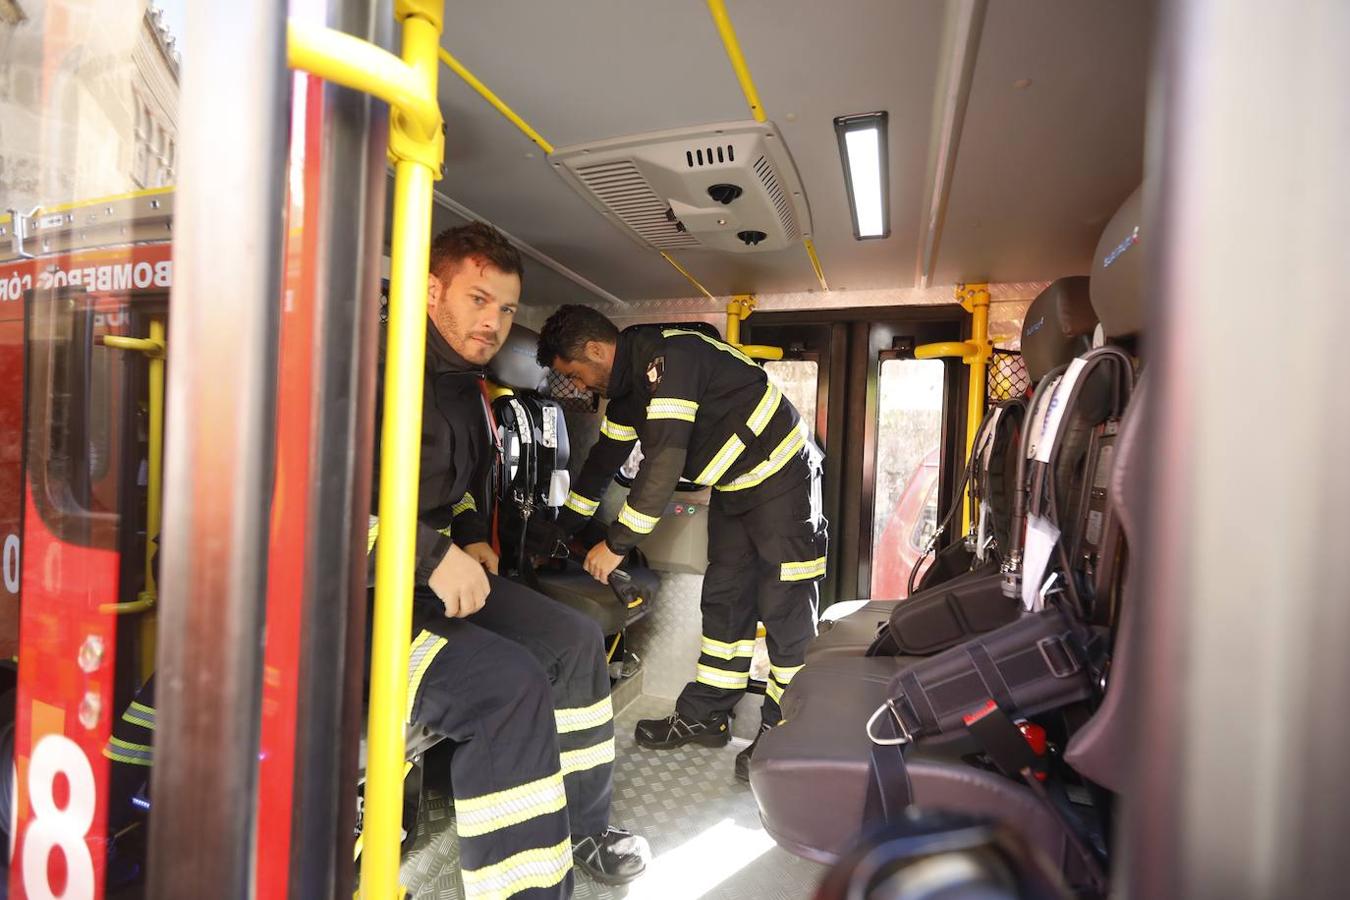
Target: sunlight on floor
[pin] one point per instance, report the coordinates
(701, 863)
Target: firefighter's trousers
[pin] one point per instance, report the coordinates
(763, 564)
(521, 687)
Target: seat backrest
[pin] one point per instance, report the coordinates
(1073, 425)
(1056, 327)
(531, 431)
(1099, 749)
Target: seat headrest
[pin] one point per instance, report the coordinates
(1118, 270)
(1057, 325)
(515, 365)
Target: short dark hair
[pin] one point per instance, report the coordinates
(566, 332)
(477, 240)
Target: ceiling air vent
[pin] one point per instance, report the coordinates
(703, 187)
(621, 187)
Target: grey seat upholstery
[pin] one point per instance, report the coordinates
(810, 775)
(811, 792)
(565, 581)
(1056, 327)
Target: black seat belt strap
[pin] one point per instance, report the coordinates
(990, 674)
(888, 787)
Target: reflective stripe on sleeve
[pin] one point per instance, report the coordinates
(465, 504)
(580, 505)
(617, 432)
(639, 523)
(672, 408)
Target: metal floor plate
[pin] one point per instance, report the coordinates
(701, 822)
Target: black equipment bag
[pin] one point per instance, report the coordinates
(951, 613)
(1029, 666)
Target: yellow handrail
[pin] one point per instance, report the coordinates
(153, 348)
(975, 353)
(685, 272)
(739, 309)
(815, 263)
(496, 102)
(357, 64)
(733, 47)
(416, 144)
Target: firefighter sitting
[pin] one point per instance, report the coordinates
(516, 680)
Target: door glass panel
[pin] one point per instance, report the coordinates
(908, 463)
(88, 150)
(798, 380)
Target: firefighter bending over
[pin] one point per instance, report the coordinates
(516, 680)
(706, 412)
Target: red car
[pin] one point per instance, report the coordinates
(907, 532)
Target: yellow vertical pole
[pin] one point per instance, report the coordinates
(154, 480)
(975, 299)
(400, 444)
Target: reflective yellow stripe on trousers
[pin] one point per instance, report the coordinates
(539, 868)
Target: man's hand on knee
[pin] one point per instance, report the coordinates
(482, 551)
(460, 582)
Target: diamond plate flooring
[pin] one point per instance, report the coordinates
(668, 639)
(701, 822)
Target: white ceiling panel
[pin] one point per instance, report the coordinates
(1038, 172)
(1042, 168)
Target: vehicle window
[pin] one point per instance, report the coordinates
(798, 379)
(909, 434)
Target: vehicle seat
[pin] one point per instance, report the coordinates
(532, 476)
(1057, 326)
(810, 775)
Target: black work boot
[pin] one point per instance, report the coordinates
(676, 731)
(743, 758)
(614, 856)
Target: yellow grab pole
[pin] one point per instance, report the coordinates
(494, 101)
(733, 47)
(685, 272)
(357, 64)
(416, 145)
(815, 263)
(400, 441)
(974, 353)
(739, 308)
(400, 445)
(153, 348)
(417, 148)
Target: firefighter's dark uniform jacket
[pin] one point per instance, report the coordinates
(521, 685)
(706, 412)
